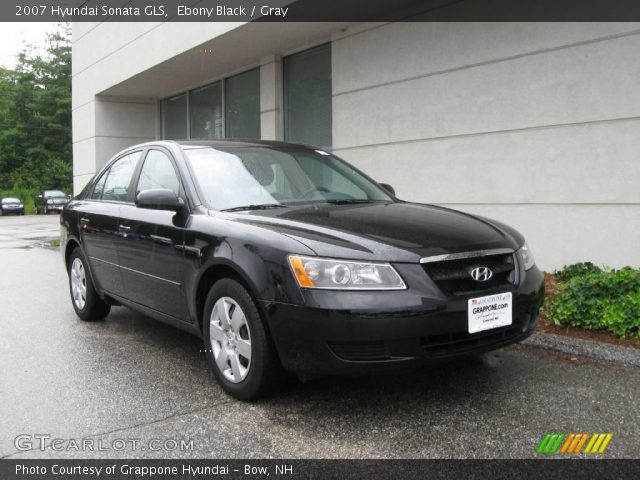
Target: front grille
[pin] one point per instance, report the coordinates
(361, 352)
(453, 277)
(453, 343)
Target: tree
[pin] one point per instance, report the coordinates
(35, 117)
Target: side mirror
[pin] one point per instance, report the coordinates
(39, 197)
(160, 199)
(388, 188)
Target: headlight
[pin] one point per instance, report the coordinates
(323, 273)
(49, 201)
(526, 257)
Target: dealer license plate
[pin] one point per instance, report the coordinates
(489, 312)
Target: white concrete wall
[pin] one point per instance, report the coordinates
(107, 54)
(537, 125)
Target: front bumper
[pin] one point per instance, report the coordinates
(12, 211)
(388, 335)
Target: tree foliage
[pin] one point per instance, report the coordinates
(35, 117)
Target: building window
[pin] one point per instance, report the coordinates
(224, 109)
(307, 96)
(205, 110)
(242, 105)
(174, 117)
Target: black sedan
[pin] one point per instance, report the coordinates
(11, 206)
(51, 201)
(284, 257)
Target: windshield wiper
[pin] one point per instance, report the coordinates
(263, 206)
(346, 201)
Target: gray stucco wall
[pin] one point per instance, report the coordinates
(537, 125)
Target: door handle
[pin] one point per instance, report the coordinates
(126, 228)
(84, 221)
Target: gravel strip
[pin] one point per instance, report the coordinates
(627, 356)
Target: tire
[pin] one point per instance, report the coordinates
(241, 377)
(90, 307)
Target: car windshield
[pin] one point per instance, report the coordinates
(10, 200)
(255, 177)
(54, 193)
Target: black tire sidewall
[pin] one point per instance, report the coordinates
(264, 363)
(94, 307)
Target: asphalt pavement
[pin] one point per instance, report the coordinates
(135, 388)
(28, 230)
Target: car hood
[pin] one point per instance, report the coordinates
(384, 231)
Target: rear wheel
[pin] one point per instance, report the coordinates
(84, 298)
(239, 349)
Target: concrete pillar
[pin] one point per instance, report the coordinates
(271, 104)
(103, 127)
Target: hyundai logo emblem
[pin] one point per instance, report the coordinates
(481, 274)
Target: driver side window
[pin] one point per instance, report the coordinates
(158, 172)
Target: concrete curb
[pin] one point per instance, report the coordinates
(626, 356)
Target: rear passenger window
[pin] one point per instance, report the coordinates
(158, 172)
(116, 186)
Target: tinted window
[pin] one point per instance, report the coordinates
(116, 186)
(205, 108)
(242, 105)
(307, 77)
(174, 117)
(158, 172)
(99, 187)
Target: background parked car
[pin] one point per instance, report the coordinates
(51, 201)
(11, 205)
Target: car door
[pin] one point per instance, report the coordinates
(150, 250)
(98, 217)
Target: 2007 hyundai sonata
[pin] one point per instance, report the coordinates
(283, 257)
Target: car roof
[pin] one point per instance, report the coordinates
(226, 143)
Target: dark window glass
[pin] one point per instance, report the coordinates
(174, 117)
(307, 77)
(205, 109)
(99, 187)
(116, 186)
(242, 105)
(158, 172)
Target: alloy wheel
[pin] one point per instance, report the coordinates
(78, 283)
(230, 339)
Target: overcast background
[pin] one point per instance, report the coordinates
(14, 35)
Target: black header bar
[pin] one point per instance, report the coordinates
(319, 10)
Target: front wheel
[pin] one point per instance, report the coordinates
(84, 298)
(239, 349)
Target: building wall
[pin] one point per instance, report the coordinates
(537, 125)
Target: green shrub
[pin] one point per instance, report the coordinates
(575, 270)
(599, 299)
